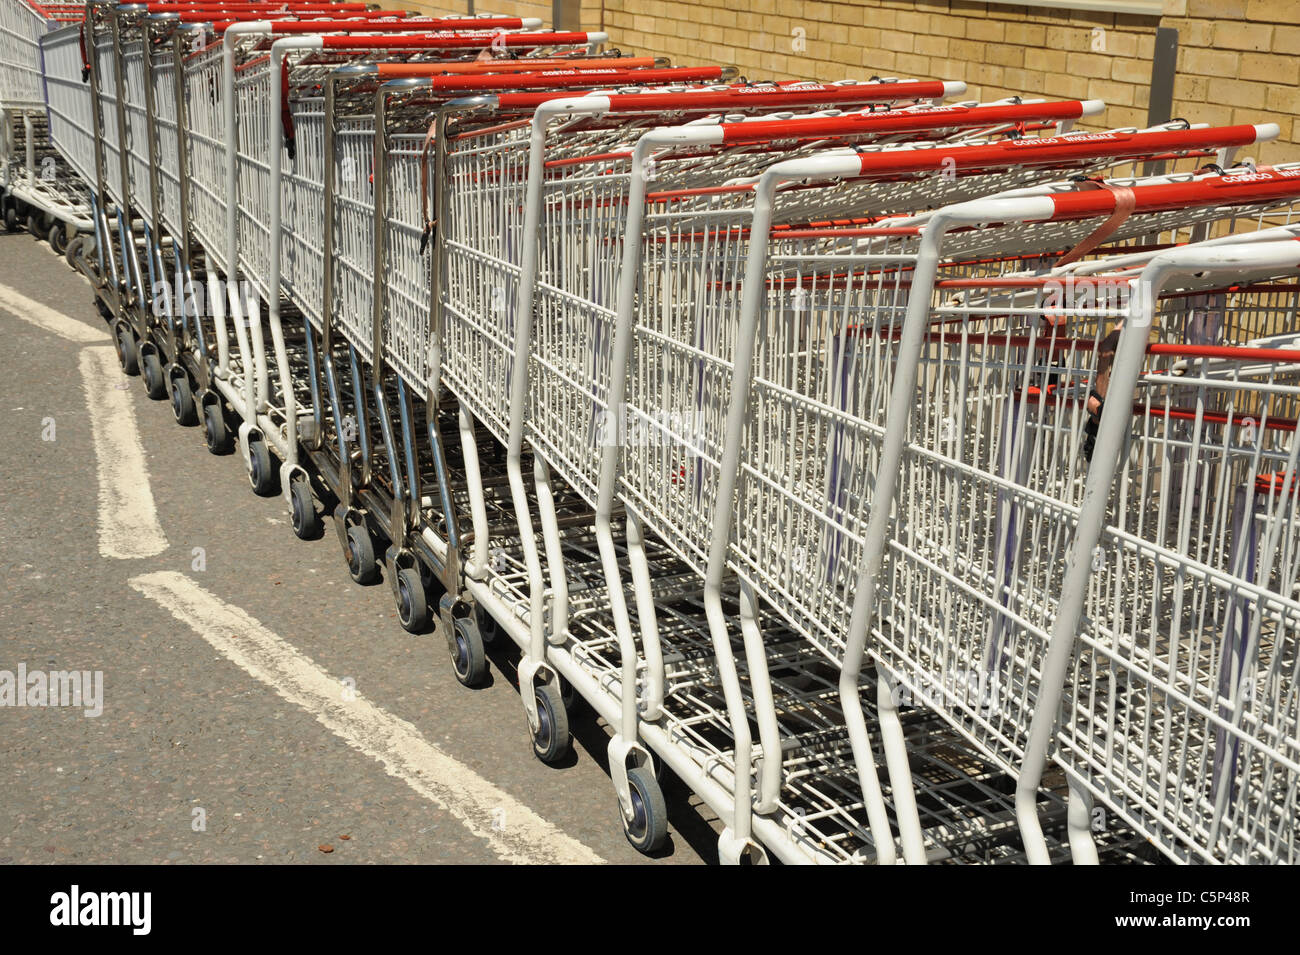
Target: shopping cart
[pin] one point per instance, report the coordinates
(484, 261)
(262, 238)
(963, 579)
(560, 382)
(383, 311)
(36, 187)
(580, 425)
(1170, 669)
(236, 66)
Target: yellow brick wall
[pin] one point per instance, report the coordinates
(1237, 59)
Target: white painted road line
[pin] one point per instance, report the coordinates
(512, 830)
(42, 316)
(128, 521)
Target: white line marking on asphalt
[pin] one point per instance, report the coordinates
(128, 522)
(42, 316)
(512, 830)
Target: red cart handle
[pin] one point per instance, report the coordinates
(1233, 188)
(934, 117)
(1059, 149)
(569, 79)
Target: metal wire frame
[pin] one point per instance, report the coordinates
(1180, 709)
(67, 100)
(30, 170)
(515, 137)
(33, 172)
(991, 474)
(22, 25)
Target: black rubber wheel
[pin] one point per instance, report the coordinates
(262, 474)
(126, 352)
(551, 739)
(34, 225)
(360, 555)
(11, 219)
(468, 659)
(648, 827)
(182, 400)
(59, 238)
(215, 433)
(412, 604)
(306, 520)
(151, 373)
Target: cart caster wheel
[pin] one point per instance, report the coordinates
(468, 659)
(215, 433)
(261, 475)
(551, 740)
(155, 385)
(361, 555)
(34, 226)
(126, 353)
(412, 607)
(11, 219)
(648, 827)
(183, 402)
(59, 238)
(306, 522)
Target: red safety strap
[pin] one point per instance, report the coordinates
(85, 59)
(1125, 202)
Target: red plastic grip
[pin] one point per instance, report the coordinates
(1056, 149)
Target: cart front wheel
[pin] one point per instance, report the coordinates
(551, 738)
(215, 433)
(306, 520)
(648, 827)
(155, 385)
(261, 473)
(412, 606)
(126, 353)
(183, 401)
(468, 658)
(361, 555)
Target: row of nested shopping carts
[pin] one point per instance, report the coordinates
(913, 478)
